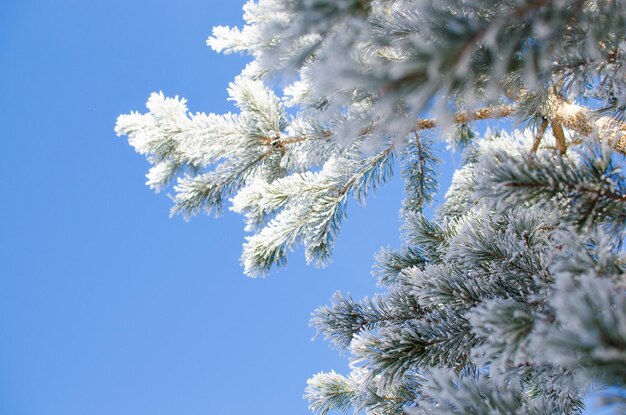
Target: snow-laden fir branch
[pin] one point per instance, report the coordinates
(260, 145)
(587, 189)
(510, 299)
(313, 217)
(333, 392)
(403, 53)
(499, 313)
(364, 75)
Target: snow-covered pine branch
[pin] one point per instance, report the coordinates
(495, 301)
(509, 300)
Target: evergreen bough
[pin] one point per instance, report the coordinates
(510, 300)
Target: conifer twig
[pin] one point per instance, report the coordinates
(500, 111)
(539, 136)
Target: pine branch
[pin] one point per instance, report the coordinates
(346, 318)
(587, 192)
(572, 116)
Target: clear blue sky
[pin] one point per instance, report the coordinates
(107, 306)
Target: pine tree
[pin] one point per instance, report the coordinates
(509, 300)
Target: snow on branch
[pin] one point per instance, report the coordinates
(511, 298)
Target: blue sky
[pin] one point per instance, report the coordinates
(108, 306)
